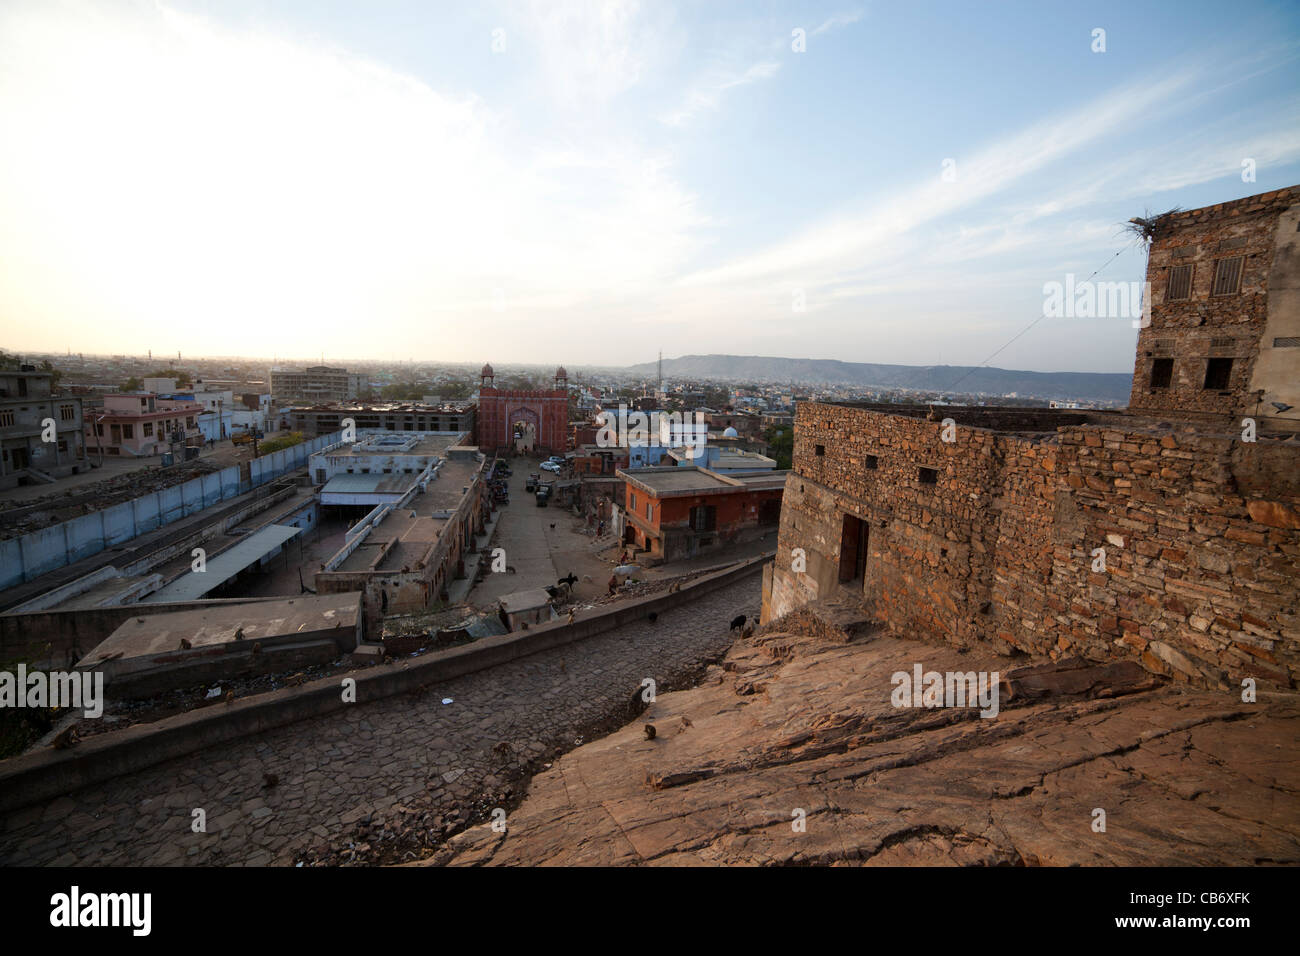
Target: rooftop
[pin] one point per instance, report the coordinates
(399, 443)
(686, 480)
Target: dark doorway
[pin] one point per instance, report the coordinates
(853, 550)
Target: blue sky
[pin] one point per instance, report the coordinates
(589, 183)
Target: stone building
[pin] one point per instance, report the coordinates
(1161, 534)
(1224, 334)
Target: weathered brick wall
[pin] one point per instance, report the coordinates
(1186, 330)
(1201, 535)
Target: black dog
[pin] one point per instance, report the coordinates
(738, 622)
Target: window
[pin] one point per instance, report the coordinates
(821, 450)
(1227, 276)
(6, 418)
(1180, 283)
(148, 429)
(649, 510)
(634, 502)
(928, 476)
(67, 412)
(1218, 372)
(704, 518)
(1287, 342)
(1162, 372)
(128, 431)
(853, 549)
(872, 463)
(190, 421)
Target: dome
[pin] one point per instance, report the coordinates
(730, 433)
(561, 373)
(487, 371)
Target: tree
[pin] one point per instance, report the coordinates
(55, 374)
(780, 444)
(132, 384)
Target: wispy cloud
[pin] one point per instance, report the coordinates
(836, 22)
(708, 94)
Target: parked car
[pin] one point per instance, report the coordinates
(550, 466)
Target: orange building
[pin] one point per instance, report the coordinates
(681, 512)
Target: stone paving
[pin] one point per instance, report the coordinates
(404, 758)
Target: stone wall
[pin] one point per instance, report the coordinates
(1201, 533)
(1202, 326)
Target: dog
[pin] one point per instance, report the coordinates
(738, 622)
(570, 579)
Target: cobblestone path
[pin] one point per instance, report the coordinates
(373, 782)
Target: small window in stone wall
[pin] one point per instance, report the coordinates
(1180, 283)
(1218, 372)
(1227, 276)
(1162, 372)
(820, 450)
(928, 476)
(872, 463)
(1287, 342)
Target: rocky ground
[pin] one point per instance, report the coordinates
(791, 752)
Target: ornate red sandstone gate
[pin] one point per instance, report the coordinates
(500, 409)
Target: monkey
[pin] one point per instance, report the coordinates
(511, 568)
(66, 738)
(257, 647)
(738, 622)
(185, 645)
(649, 731)
(573, 615)
(230, 697)
(269, 780)
(748, 631)
(239, 634)
(932, 417)
(686, 722)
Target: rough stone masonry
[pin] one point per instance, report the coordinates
(1164, 534)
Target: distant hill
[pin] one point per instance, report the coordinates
(1082, 386)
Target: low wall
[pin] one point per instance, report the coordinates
(44, 774)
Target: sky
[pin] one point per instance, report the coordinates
(593, 182)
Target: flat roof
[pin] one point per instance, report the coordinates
(414, 527)
(524, 600)
(372, 484)
(692, 480)
(391, 443)
(194, 584)
(217, 625)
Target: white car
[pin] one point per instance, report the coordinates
(549, 466)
